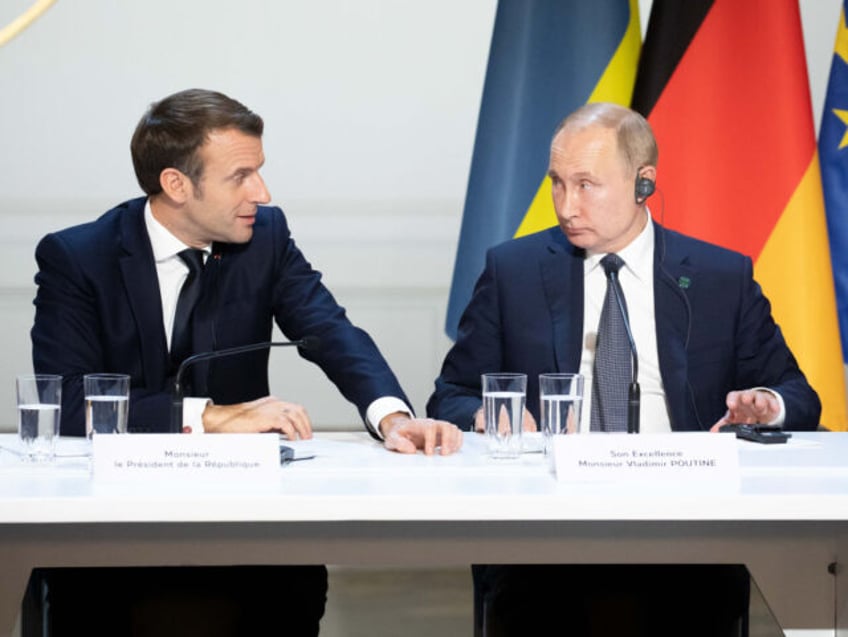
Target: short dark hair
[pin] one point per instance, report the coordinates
(172, 131)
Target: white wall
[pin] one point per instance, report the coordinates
(370, 109)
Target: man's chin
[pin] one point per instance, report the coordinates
(243, 235)
(578, 239)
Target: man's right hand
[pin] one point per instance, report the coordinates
(267, 414)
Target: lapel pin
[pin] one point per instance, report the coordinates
(684, 282)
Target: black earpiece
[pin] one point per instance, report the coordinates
(644, 188)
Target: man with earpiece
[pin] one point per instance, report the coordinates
(707, 350)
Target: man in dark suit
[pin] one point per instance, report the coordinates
(709, 351)
(110, 291)
(107, 290)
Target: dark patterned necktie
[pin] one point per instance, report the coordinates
(612, 357)
(189, 294)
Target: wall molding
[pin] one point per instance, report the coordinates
(388, 263)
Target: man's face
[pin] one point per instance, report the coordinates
(593, 190)
(223, 205)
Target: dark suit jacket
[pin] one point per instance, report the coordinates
(98, 309)
(714, 328)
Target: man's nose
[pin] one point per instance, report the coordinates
(566, 203)
(259, 191)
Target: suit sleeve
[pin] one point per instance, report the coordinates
(478, 349)
(67, 338)
(303, 306)
(764, 359)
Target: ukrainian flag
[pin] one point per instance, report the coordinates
(547, 58)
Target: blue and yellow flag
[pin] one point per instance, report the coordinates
(547, 58)
(833, 149)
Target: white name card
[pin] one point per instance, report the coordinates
(182, 457)
(675, 459)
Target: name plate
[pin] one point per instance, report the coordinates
(673, 460)
(224, 457)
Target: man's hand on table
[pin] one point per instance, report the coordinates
(267, 414)
(749, 406)
(404, 434)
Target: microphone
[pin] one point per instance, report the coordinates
(633, 392)
(305, 343)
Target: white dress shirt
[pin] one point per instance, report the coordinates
(172, 272)
(637, 283)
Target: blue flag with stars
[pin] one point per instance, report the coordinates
(833, 150)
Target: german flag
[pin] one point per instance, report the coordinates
(724, 85)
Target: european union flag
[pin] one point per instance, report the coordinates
(833, 150)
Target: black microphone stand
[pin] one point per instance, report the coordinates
(634, 394)
(306, 343)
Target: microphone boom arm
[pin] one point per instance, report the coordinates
(307, 342)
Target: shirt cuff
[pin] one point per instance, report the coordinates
(193, 413)
(381, 408)
(781, 415)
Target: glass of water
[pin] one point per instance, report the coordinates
(561, 404)
(107, 400)
(39, 399)
(503, 412)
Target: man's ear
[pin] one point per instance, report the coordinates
(649, 172)
(175, 184)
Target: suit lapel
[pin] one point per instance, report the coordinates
(562, 279)
(141, 285)
(674, 282)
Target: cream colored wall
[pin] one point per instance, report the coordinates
(371, 109)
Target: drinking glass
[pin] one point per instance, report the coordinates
(39, 399)
(504, 396)
(560, 404)
(107, 399)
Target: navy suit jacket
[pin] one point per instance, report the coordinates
(714, 330)
(98, 309)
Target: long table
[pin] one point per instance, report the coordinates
(357, 504)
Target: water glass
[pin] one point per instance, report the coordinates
(503, 413)
(107, 399)
(560, 404)
(39, 399)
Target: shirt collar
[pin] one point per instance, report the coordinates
(637, 255)
(165, 245)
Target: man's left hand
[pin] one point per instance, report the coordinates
(748, 407)
(407, 435)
